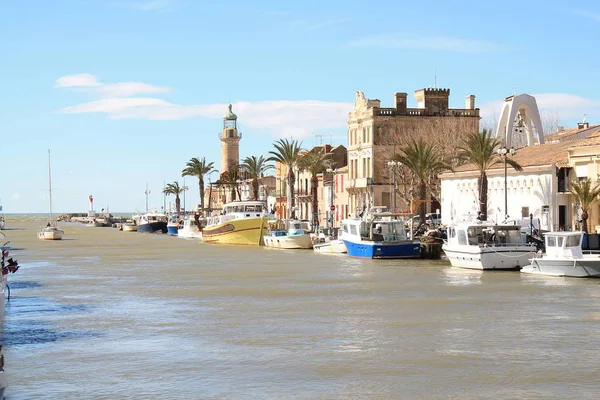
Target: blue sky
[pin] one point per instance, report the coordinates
(124, 92)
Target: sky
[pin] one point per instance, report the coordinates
(125, 92)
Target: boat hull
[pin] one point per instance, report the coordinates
(489, 258)
(247, 231)
(129, 228)
(50, 234)
(335, 246)
(380, 250)
(288, 241)
(576, 268)
(157, 226)
(172, 230)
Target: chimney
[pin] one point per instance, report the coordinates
(470, 102)
(400, 102)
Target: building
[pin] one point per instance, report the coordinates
(230, 142)
(375, 134)
(540, 191)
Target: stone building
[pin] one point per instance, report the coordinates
(230, 142)
(375, 133)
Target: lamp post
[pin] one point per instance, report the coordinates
(331, 205)
(504, 152)
(393, 165)
(146, 192)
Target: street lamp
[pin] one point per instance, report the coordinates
(331, 205)
(504, 152)
(393, 165)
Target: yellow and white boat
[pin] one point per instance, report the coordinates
(242, 222)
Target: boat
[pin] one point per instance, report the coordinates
(173, 225)
(486, 245)
(326, 244)
(241, 223)
(287, 235)
(3, 379)
(564, 257)
(129, 227)
(191, 228)
(152, 222)
(378, 234)
(50, 231)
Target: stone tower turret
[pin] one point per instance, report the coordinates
(230, 142)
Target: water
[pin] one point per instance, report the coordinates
(124, 315)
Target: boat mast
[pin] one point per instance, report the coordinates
(50, 184)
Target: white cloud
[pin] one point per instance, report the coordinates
(587, 14)
(435, 43)
(77, 80)
(567, 106)
(153, 5)
(91, 83)
(281, 118)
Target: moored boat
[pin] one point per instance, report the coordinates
(129, 227)
(328, 245)
(287, 235)
(50, 231)
(379, 234)
(487, 246)
(173, 225)
(191, 228)
(241, 223)
(564, 257)
(152, 222)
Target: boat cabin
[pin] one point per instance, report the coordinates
(563, 244)
(485, 235)
(382, 227)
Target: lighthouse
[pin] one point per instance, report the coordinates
(230, 142)
(91, 212)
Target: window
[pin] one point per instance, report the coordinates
(524, 212)
(462, 238)
(573, 241)
(551, 241)
(353, 229)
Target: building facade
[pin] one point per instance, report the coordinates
(375, 134)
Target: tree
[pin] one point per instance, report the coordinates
(586, 194)
(479, 149)
(255, 167)
(230, 178)
(198, 168)
(315, 161)
(287, 153)
(176, 190)
(425, 162)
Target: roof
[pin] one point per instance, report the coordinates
(230, 116)
(541, 154)
(572, 134)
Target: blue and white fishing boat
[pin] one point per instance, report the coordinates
(379, 234)
(173, 225)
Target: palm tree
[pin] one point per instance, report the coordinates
(231, 179)
(176, 190)
(315, 162)
(425, 162)
(479, 149)
(198, 168)
(287, 153)
(586, 194)
(255, 167)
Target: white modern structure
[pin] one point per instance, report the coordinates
(519, 119)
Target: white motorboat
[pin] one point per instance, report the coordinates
(152, 222)
(564, 257)
(487, 246)
(129, 227)
(50, 231)
(287, 235)
(192, 228)
(326, 244)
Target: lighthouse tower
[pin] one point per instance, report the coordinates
(230, 142)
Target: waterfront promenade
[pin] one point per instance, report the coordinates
(111, 314)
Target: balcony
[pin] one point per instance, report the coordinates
(359, 182)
